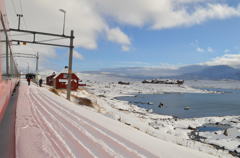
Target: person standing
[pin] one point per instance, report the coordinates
(40, 82)
(29, 81)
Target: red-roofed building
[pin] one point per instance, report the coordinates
(49, 79)
(60, 81)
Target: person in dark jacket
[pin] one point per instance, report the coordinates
(29, 80)
(40, 82)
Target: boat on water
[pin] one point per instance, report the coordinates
(186, 107)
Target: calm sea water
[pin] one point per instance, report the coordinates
(201, 105)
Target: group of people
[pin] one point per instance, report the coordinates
(40, 81)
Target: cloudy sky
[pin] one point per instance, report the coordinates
(122, 33)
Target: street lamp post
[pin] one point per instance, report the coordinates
(64, 18)
(28, 68)
(37, 58)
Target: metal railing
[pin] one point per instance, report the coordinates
(8, 67)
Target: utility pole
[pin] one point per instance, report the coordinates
(11, 64)
(19, 20)
(37, 58)
(36, 41)
(69, 87)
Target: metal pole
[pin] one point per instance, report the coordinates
(7, 60)
(70, 65)
(37, 58)
(64, 23)
(11, 64)
(40, 33)
(19, 20)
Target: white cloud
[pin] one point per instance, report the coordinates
(201, 50)
(88, 17)
(45, 16)
(77, 55)
(210, 50)
(160, 14)
(227, 59)
(191, 1)
(180, 17)
(198, 49)
(116, 35)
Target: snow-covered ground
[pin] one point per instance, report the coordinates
(48, 125)
(104, 88)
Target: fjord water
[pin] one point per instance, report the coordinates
(200, 105)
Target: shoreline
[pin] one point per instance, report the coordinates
(164, 127)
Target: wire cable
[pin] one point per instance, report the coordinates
(53, 39)
(22, 34)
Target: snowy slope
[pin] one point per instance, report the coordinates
(50, 126)
(106, 88)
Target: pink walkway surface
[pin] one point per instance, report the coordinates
(50, 126)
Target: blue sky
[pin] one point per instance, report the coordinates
(174, 46)
(136, 33)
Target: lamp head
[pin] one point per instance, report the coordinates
(61, 10)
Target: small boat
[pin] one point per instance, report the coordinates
(186, 107)
(150, 103)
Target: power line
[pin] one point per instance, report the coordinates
(22, 34)
(53, 39)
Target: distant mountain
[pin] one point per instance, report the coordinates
(139, 72)
(191, 68)
(213, 73)
(187, 72)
